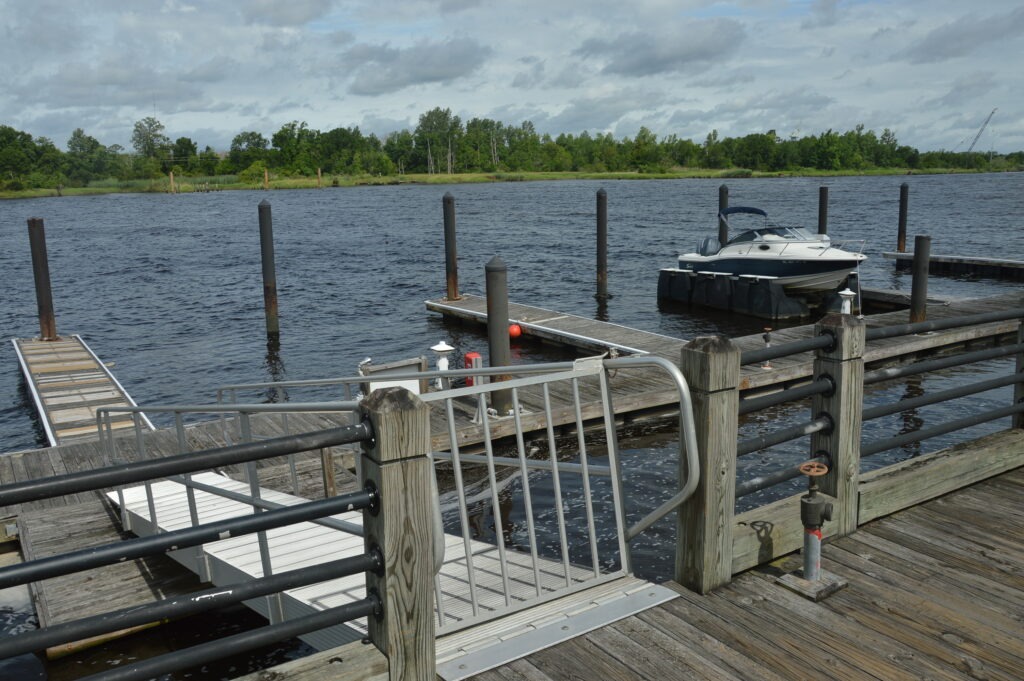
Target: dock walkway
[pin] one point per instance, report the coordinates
(68, 384)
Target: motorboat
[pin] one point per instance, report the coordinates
(799, 261)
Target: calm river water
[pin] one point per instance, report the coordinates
(169, 288)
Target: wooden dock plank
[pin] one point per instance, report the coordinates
(921, 603)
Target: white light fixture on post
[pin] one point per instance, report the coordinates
(441, 350)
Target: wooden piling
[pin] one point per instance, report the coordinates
(41, 275)
(919, 279)
(451, 260)
(266, 178)
(396, 464)
(822, 210)
(269, 273)
(844, 365)
(723, 203)
(602, 245)
(498, 345)
(901, 234)
(1018, 388)
(171, 176)
(711, 365)
(319, 178)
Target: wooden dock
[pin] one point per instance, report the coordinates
(68, 383)
(995, 268)
(933, 593)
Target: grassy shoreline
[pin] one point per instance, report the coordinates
(227, 183)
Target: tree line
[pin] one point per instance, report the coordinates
(442, 143)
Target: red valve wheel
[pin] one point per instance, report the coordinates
(813, 469)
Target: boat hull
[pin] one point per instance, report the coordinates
(792, 274)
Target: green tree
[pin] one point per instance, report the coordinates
(184, 153)
(247, 148)
(438, 136)
(148, 137)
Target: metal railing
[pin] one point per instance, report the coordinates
(835, 391)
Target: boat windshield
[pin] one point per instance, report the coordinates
(773, 234)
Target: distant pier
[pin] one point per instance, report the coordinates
(995, 268)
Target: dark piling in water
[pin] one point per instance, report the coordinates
(498, 345)
(723, 203)
(901, 233)
(919, 280)
(822, 210)
(41, 274)
(451, 262)
(602, 245)
(269, 274)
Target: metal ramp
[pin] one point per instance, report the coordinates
(461, 654)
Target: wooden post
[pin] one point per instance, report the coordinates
(266, 178)
(723, 203)
(822, 210)
(844, 364)
(41, 276)
(451, 260)
(319, 178)
(602, 245)
(919, 279)
(711, 365)
(1018, 388)
(901, 232)
(396, 463)
(171, 175)
(269, 270)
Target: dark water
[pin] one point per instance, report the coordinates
(169, 287)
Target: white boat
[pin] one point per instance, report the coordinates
(791, 256)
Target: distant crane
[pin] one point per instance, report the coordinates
(981, 130)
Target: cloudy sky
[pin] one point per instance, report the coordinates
(930, 70)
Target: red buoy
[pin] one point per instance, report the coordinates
(515, 331)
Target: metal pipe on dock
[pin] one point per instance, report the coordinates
(919, 280)
(269, 275)
(41, 275)
(602, 245)
(451, 261)
(498, 345)
(901, 234)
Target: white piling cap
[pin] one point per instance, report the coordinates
(442, 347)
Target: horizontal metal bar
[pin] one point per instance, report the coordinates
(873, 448)
(534, 464)
(771, 479)
(265, 504)
(942, 396)
(183, 606)
(129, 549)
(759, 355)
(86, 481)
(935, 364)
(821, 386)
(212, 651)
(238, 408)
(777, 437)
(876, 333)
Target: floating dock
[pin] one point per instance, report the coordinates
(996, 268)
(68, 383)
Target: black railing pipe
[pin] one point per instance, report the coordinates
(760, 355)
(771, 479)
(942, 396)
(184, 606)
(950, 426)
(87, 481)
(213, 651)
(130, 549)
(879, 375)
(751, 445)
(822, 386)
(879, 332)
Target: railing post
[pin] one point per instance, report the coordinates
(711, 366)
(396, 463)
(844, 364)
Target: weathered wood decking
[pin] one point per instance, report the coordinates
(933, 592)
(997, 268)
(68, 384)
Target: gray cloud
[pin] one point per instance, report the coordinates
(669, 50)
(381, 69)
(965, 35)
(277, 13)
(823, 13)
(968, 88)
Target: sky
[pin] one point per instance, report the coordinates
(929, 70)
